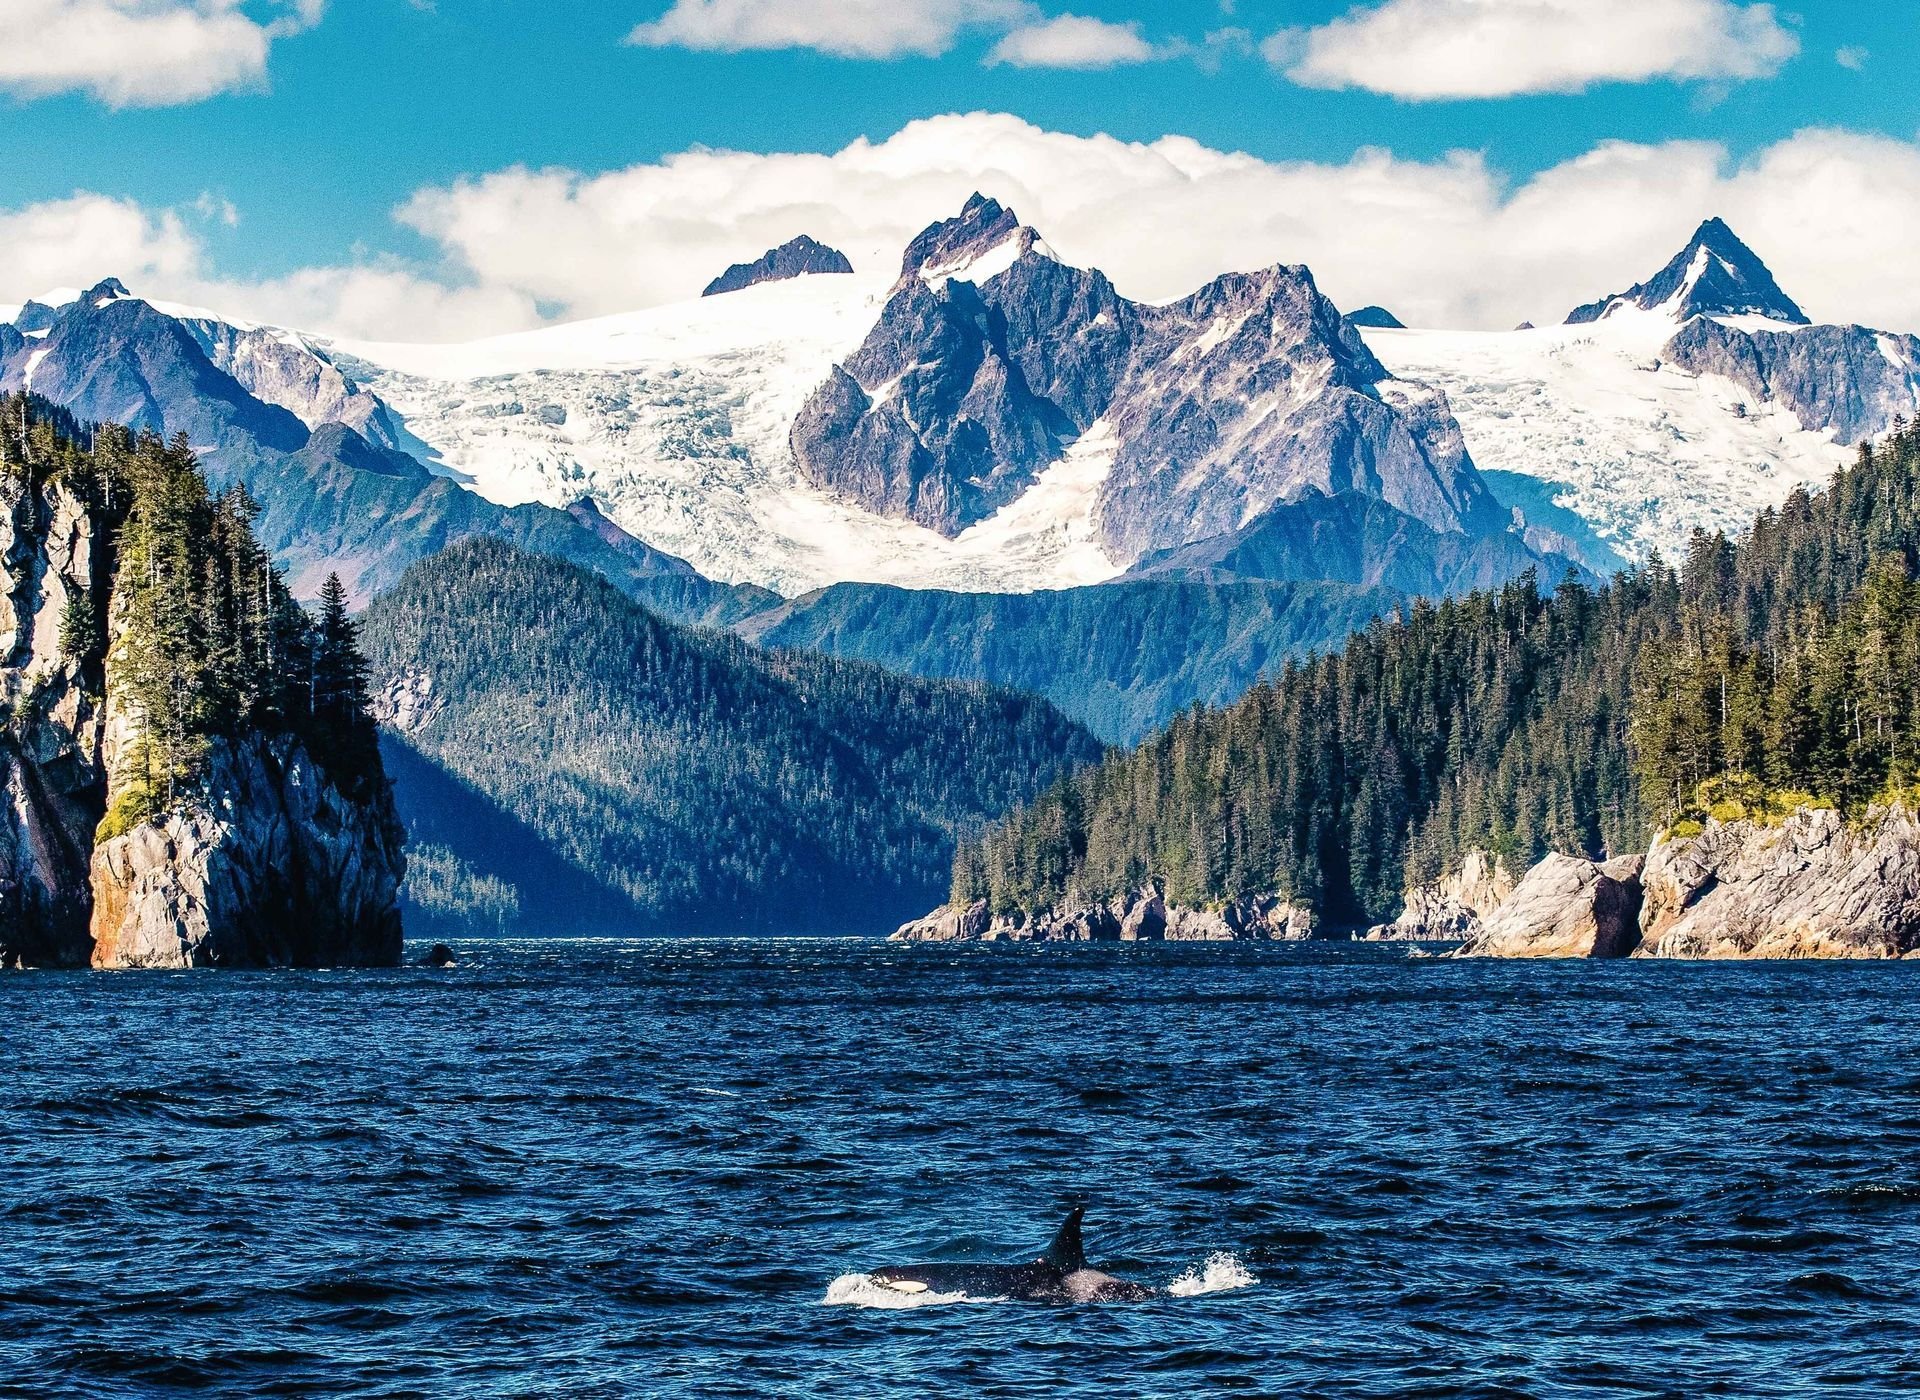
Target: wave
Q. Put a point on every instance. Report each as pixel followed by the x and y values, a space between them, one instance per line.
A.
pixel 862 1291
pixel 1222 1273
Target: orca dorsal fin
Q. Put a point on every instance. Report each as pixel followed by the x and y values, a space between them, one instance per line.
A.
pixel 1066 1253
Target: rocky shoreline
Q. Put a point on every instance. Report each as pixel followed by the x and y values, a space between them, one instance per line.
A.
pixel 1143 916
pixel 1806 886
pixel 1810 885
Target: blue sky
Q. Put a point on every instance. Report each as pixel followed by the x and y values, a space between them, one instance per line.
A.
pixel 366 102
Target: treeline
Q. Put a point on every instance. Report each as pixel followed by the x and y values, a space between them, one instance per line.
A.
pixel 1519 721
pixel 186 626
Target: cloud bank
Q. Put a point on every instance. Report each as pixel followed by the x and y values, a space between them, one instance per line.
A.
pixel 143 53
pixel 1449 242
pixel 1434 49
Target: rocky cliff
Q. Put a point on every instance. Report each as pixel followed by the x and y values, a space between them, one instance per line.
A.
pixel 50 776
pixel 1810 886
pixel 266 864
pixel 1566 908
pixel 1813 886
pixel 257 855
pixel 1141 917
pixel 1454 906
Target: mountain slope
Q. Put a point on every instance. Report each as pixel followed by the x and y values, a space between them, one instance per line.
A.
pixel 331 500
pixel 1714 275
pixel 657 779
pixel 1122 658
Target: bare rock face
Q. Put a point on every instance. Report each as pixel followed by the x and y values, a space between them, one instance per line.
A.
pixel 1141 917
pixel 1812 887
pixel 1453 907
pixel 268 865
pixel 948 925
pixel 282 368
pixel 52 788
pixel 1566 908
pixel 1846 380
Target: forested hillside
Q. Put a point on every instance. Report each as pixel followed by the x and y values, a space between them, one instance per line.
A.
pixel 569 762
pixel 1521 720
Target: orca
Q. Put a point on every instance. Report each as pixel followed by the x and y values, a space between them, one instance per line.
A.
pixel 1060 1275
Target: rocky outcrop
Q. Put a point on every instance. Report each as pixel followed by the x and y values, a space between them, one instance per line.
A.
pixel 992 357
pixel 1846 380
pixel 1454 907
pixel 1810 887
pixel 978 373
pixel 266 864
pixel 1375 318
pixel 261 858
pixel 1566 908
pixel 802 257
pixel 1141 917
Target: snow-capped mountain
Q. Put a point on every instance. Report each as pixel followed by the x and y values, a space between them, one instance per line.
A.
pixel 1714 275
pixel 994 366
pixel 989 418
pixel 1686 402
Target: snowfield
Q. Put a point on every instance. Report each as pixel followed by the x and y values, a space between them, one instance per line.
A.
pixel 675 421
pixel 1644 451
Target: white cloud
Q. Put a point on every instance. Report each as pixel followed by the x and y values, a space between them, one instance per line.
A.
pixel 1449 242
pixel 848 28
pixel 143 53
pixel 1852 56
pixel 1428 49
pixel 1073 41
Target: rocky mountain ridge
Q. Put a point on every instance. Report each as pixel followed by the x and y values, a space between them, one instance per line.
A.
pixel 1714 275
pixel 992 357
pixel 799 257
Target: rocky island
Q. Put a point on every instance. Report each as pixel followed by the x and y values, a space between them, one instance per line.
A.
pixel 190 774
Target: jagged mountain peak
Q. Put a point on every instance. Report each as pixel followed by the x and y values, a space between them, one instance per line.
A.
pixel 984 240
pixel 799 257
pixel 106 290
pixel 1716 274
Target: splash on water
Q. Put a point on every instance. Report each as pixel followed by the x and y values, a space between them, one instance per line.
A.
pixel 862 1291
pixel 1222 1273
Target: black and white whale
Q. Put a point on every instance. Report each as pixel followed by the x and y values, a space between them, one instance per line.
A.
pixel 1060 1275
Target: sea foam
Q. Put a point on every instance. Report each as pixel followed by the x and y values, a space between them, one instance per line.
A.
pixel 1222 1273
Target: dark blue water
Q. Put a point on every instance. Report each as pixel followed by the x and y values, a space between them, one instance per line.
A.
pixel 635 1169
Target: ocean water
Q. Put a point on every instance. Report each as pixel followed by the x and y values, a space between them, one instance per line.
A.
pixel 649 1168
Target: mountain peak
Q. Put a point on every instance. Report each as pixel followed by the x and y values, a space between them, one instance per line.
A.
pixel 1375 318
pixel 1714 275
pixel 104 291
pixel 982 242
pixel 799 257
